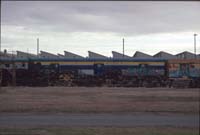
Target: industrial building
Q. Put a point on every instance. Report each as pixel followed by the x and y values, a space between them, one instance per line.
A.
pixel 139 54
pixel 72 55
pixel 165 55
pixel 117 55
pixel 21 54
pixel 44 54
pixel 5 54
pixel 61 56
pixel 94 55
pixel 186 55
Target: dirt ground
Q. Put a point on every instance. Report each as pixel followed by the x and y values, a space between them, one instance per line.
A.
pixel 98 100
pixel 101 131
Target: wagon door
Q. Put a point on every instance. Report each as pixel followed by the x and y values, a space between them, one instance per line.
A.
pixel 98 69
pixel 143 69
pixel 184 70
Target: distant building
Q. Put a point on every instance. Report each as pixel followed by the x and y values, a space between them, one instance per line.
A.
pixel 186 55
pixel 117 55
pixel 139 54
pixel 44 54
pixel 21 54
pixel 164 55
pixel 72 55
pixel 61 56
pixel 94 55
pixel 5 54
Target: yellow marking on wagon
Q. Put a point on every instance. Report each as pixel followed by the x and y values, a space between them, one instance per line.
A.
pixel 100 62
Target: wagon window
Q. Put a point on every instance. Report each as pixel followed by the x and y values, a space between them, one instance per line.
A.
pixel 23 65
pixel 7 65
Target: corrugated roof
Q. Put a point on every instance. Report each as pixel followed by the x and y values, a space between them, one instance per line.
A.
pixel 163 54
pixel 61 56
pixel 93 55
pixel 44 54
pixel 72 55
pixel 25 55
pixel 139 54
pixel 185 55
pixel 96 55
pixel 119 55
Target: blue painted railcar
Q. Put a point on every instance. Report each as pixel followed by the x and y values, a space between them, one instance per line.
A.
pixel 142 67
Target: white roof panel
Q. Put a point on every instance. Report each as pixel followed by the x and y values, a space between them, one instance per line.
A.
pixel 44 54
pixel 25 55
pixel 163 54
pixel 72 55
pixel 139 54
pixel 119 55
pixel 96 55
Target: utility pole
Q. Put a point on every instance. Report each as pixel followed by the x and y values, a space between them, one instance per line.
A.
pixel 0 49
pixel 1 72
pixel 37 47
pixel 123 46
pixel 195 55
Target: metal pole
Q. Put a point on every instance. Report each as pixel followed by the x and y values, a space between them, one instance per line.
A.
pixel 38 47
pixel 0 45
pixel 123 47
pixel 1 72
pixel 195 55
pixel 1 53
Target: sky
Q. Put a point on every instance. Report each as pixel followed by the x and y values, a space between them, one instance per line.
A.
pixel 100 26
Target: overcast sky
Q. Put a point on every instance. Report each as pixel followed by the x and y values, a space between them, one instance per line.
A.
pixel 99 26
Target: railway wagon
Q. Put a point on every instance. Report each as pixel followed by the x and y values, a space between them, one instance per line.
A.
pixel 143 67
pixel 115 72
pixel 135 72
pixel 184 71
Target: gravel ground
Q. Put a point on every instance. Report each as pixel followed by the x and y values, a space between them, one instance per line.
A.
pixel 98 100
